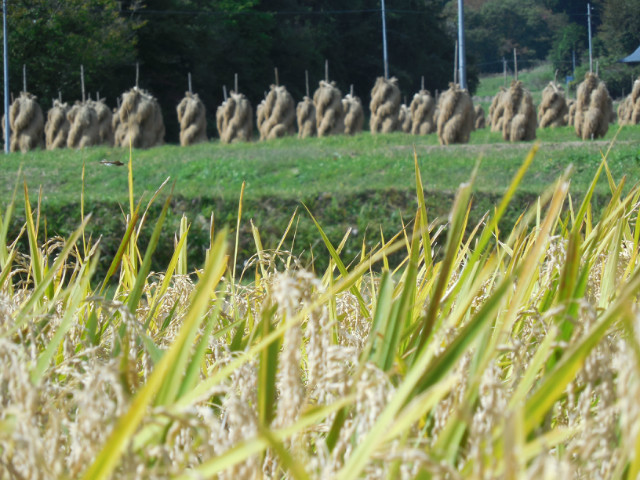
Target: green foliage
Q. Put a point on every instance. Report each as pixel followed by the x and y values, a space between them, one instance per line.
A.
pixel 571 38
pixel 215 40
pixel 496 27
pixel 54 37
pixel 620 29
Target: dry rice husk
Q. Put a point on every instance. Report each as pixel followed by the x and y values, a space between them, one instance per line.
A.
pixel 192 117
pixel 105 121
pixel 496 111
pixel 277 114
pixel 480 121
pixel 57 127
pixel 571 111
pixel 329 110
pixel 520 119
pixel 385 106
pixel 629 108
pixel 306 115
pixel 553 109
pixel 26 124
pixel 234 119
pixel 455 116
pixel 423 109
pixel 353 114
pixel 141 122
pixel 404 118
pixel 83 130
pixel 593 108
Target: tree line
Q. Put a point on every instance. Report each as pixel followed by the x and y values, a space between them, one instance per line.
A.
pixel 213 40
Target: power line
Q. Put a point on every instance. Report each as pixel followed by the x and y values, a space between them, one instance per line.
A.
pixel 145 11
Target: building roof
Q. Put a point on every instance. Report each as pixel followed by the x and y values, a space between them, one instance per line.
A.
pixel 633 58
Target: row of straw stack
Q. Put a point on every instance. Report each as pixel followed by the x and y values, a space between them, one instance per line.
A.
pixel 138 119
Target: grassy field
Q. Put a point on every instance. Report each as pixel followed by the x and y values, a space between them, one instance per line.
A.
pixel 363 183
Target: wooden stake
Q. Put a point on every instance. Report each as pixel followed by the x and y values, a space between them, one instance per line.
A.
pixel 276 74
pixel 515 64
pixel 82 81
pixel 59 96
pixel 555 77
pixel 306 81
pixel 351 90
pixel 224 92
pixel 24 78
pixel 422 83
pixel 235 82
pixel 597 67
pixel 504 70
pixel 137 73
pixel 326 71
pixel 189 80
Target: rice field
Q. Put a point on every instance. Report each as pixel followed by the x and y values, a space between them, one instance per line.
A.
pixel 481 353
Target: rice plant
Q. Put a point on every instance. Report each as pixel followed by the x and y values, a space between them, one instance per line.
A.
pixel 481 354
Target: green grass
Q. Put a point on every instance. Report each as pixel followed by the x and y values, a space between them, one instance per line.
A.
pixel 534 79
pixel 363 182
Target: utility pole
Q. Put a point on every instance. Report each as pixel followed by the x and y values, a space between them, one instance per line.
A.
pixel 455 64
pixel 590 45
pixel 6 76
pixel 384 41
pixel 461 51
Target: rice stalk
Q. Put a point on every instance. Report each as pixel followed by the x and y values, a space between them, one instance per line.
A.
pixel 510 354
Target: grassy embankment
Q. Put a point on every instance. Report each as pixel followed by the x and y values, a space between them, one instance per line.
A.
pixel 363 182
